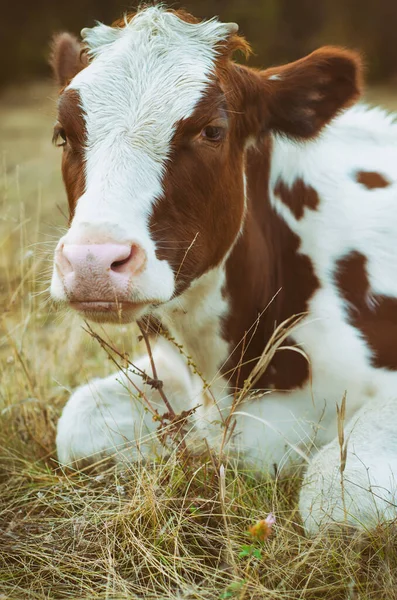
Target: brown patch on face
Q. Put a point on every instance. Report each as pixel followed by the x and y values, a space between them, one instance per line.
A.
pixel 372 179
pixel 200 213
pixel 374 315
pixel 265 264
pixel 71 120
pixel 298 197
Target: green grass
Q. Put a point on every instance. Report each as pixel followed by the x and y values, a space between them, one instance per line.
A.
pixel 171 528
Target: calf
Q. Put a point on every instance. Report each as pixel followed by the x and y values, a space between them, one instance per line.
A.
pixel 220 202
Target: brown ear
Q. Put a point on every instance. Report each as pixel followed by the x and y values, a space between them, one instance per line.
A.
pixel 305 95
pixel 66 57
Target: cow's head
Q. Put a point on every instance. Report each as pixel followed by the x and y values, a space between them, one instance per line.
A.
pixel 154 120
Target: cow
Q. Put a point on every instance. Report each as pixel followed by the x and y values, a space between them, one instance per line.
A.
pixel 247 215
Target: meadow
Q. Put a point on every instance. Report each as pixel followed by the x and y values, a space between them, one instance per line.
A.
pixel 173 528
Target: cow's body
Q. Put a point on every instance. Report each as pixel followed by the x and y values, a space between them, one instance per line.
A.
pixel 315 238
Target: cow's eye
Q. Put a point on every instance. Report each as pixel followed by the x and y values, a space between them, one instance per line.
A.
pixel 213 134
pixel 59 138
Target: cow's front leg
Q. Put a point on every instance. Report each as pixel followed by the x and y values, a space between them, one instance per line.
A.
pixel 107 417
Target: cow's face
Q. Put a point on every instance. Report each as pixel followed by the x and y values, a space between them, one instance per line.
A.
pixel 154 129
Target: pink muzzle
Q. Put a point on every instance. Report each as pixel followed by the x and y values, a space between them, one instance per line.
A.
pixel 99 272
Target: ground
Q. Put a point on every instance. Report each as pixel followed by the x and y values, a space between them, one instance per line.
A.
pixel 177 527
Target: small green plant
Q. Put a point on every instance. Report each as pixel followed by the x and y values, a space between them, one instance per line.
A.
pixel 248 551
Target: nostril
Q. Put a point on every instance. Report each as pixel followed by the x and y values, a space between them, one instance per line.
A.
pixel 131 264
pixel 118 265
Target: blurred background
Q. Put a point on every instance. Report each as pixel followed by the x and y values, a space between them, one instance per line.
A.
pixel 279 30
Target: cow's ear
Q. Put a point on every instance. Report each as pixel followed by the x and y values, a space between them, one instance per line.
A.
pixel 66 58
pixel 305 95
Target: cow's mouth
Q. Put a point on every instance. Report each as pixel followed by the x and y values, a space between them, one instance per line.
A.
pixel 103 311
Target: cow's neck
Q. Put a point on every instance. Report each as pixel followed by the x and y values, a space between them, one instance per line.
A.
pixel 227 316
pixel 195 321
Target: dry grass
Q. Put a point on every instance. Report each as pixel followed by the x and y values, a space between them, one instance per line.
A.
pixel 167 529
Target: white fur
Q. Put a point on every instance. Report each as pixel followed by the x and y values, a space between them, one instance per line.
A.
pixel 195 320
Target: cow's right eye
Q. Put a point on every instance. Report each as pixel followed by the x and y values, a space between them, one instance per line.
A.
pixel 213 133
pixel 59 138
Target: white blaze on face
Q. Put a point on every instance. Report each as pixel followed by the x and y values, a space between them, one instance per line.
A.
pixel 143 79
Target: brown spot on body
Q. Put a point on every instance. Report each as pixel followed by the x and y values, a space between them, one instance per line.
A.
pixel 265 264
pixel 298 197
pixel 374 315
pixel 372 180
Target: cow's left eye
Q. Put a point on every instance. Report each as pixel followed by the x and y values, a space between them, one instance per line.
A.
pixel 212 133
pixel 59 138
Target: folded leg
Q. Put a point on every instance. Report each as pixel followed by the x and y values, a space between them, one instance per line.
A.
pixel 107 416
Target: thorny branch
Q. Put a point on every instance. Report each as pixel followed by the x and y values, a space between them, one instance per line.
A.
pixel 109 349
pixel 171 425
pixel 157 383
